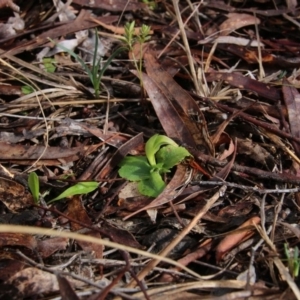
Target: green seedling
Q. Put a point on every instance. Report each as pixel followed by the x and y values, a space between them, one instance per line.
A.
pixel 151 4
pixel 34 186
pixel 292 257
pixel 49 64
pixel 130 39
pixel 77 189
pixel 96 71
pixel 27 89
pixel 162 154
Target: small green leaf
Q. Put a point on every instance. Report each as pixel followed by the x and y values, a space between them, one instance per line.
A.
pixel 129 31
pixel 146 171
pixel 144 34
pixel 135 168
pixel 296 268
pixel 77 189
pixel 154 144
pixel 34 186
pixel 152 186
pixel 26 90
pixel 171 156
pixel 49 64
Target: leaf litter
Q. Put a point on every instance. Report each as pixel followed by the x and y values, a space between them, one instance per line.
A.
pixel 221 79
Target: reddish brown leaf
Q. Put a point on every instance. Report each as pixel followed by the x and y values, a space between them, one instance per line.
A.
pixel 17 239
pixel 10 90
pixel 232 240
pixel 9 267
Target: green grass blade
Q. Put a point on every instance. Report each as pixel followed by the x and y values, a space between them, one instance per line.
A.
pixel 77 58
pixel 77 189
pixel 109 60
pixel 34 186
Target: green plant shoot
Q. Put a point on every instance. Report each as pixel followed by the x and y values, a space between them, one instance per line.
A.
pixel 96 72
pixel 77 189
pixel 162 154
pixel 151 4
pixel 27 89
pixel 34 186
pixel 130 39
pixel 154 144
pixel 292 256
pixel 49 64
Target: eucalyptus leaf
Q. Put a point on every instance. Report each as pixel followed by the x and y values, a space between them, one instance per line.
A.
pixel 77 189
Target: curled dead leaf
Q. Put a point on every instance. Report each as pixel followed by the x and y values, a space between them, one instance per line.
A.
pixel 236 238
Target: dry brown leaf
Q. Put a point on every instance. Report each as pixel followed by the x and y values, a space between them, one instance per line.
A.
pixel 236 21
pixel 254 151
pixel 14 195
pixel 291 99
pixel 185 106
pixel 33 281
pixel 47 247
pixel 66 290
pixel 17 239
pixel 76 211
pixel 169 118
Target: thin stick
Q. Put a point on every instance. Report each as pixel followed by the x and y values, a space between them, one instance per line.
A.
pixel 81 237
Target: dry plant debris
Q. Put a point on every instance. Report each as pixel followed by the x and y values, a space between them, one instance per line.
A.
pixel 221 78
